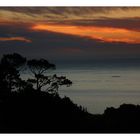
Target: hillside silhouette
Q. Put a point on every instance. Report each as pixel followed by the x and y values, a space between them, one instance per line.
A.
pixel 26 108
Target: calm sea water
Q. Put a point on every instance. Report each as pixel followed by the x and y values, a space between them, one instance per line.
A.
pixel 98 87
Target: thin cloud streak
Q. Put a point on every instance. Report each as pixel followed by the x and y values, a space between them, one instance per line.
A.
pixel 23 39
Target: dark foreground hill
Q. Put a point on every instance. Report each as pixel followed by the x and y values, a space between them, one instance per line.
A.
pixel 40 112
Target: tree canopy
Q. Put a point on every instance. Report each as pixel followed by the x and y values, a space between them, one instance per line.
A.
pixel 10 66
pixel 39 69
pixel 11 77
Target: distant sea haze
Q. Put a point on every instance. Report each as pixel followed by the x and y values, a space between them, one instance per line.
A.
pixel 99 86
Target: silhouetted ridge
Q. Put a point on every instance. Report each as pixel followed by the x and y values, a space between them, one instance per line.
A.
pixel 40 113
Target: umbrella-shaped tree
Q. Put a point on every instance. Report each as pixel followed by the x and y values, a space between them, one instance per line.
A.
pixel 39 69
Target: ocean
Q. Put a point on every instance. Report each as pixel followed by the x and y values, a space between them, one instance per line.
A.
pixel 97 87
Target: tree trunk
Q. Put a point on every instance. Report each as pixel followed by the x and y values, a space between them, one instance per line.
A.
pixel 37 83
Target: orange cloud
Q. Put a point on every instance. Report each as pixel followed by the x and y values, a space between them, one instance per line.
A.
pixel 15 39
pixel 104 34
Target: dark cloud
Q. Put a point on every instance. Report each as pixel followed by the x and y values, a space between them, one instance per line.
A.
pixel 54 14
pixel 126 23
pixel 59 10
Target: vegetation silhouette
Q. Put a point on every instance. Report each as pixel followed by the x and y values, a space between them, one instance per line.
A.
pixel 26 108
pixel 39 68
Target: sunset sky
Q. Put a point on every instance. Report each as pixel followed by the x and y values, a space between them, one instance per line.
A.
pixel 71 33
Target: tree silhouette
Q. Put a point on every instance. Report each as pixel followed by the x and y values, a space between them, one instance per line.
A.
pixel 56 81
pixel 13 60
pixel 10 66
pixel 39 69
